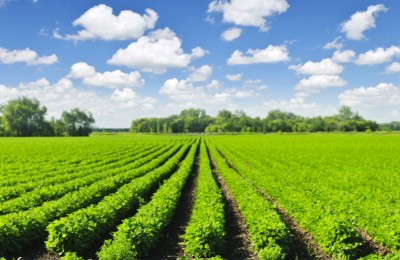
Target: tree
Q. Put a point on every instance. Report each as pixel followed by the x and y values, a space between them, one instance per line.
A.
pixel 24 117
pixel 345 113
pixel 77 122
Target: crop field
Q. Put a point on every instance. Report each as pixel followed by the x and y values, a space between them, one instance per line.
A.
pixel 316 196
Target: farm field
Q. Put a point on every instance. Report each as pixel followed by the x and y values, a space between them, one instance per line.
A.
pixel 316 196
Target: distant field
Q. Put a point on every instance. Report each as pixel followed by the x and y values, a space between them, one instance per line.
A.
pixel 315 196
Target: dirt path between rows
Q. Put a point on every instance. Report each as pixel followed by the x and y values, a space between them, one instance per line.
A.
pixel 238 245
pixel 170 247
pixel 305 246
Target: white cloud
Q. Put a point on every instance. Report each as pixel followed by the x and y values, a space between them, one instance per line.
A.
pixel 110 79
pixel 231 34
pixel 378 56
pixel 181 90
pixel 248 13
pixel 156 53
pixel 100 23
pixel 125 94
pixel 214 85
pixel 81 70
pixel 393 68
pixel 27 56
pixel 115 79
pixel 380 95
pixel 324 67
pixel 271 54
pixel 359 22
pixel 201 74
pixel 234 77
pixel 40 83
pixel 316 83
pixel 114 110
pixel 335 44
pixel 343 56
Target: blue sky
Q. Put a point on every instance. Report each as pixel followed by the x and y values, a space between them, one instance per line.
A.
pixel 127 59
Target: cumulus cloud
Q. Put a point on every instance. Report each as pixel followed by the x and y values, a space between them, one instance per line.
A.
pixel 156 53
pixel 380 95
pixel 316 83
pixel 335 44
pixel 212 93
pixel 343 56
pixel 248 13
pixel 110 79
pixel 99 22
pixel 271 54
pixel 324 67
pixel 27 56
pixel 81 70
pixel 200 74
pixel 234 77
pixel 359 22
pixel 393 68
pixel 114 110
pixel 378 56
pixel 231 34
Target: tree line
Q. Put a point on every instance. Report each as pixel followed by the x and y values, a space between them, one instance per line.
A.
pixel 197 121
pixel 25 117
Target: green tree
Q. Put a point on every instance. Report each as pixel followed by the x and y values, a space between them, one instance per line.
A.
pixel 25 117
pixel 77 122
pixel 345 113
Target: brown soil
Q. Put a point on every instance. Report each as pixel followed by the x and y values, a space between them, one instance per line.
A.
pixel 370 246
pixel 305 246
pixel 170 248
pixel 238 245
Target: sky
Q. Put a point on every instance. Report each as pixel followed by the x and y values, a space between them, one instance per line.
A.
pixel 128 59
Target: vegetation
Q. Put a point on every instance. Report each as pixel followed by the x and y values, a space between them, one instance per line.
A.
pixel 136 236
pixel 25 117
pixel 204 236
pixel 197 121
pixel 116 196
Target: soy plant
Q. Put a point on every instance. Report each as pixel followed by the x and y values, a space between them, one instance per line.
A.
pixel 204 236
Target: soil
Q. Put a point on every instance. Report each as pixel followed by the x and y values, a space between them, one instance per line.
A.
pixel 370 246
pixel 304 246
pixel 171 247
pixel 238 243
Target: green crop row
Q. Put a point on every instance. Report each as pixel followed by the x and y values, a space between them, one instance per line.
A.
pixel 39 196
pixel 19 230
pixel 269 236
pixel 56 159
pixel 83 228
pixel 19 184
pixel 204 235
pixel 136 236
pixel 336 235
pixel 56 187
pixel 345 183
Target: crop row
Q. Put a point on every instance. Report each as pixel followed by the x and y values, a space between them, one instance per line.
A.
pixel 339 239
pixel 36 162
pixel 345 184
pixel 270 237
pixel 205 233
pixel 19 230
pixel 40 195
pixel 51 170
pixel 50 188
pixel 137 235
pixel 83 228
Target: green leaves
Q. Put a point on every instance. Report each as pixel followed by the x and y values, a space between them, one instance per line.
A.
pixel 269 236
pixel 136 236
pixel 204 235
